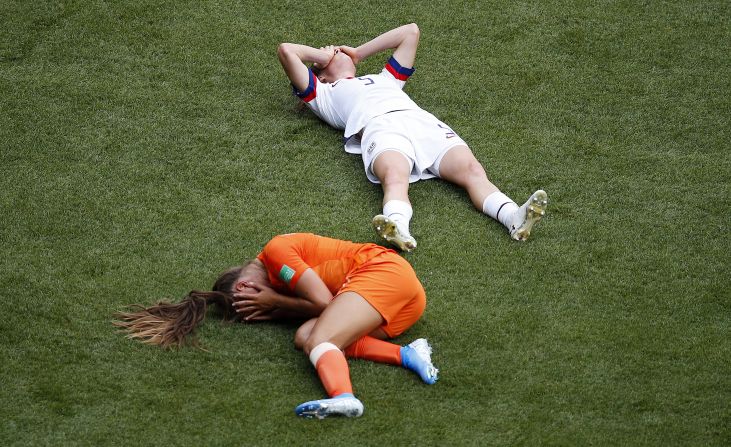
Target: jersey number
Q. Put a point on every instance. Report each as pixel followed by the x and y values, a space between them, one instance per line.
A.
pixel 450 133
pixel 368 81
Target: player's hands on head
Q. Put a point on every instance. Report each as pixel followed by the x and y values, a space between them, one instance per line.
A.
pixel 330 52
pixel 351 52
pixel 255 302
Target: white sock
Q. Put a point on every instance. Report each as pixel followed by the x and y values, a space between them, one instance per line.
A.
pixel 320 349
pixel 400 212
pixel 500 207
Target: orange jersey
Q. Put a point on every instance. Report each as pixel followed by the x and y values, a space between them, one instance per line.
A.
pixel 287 257
pixel 379 275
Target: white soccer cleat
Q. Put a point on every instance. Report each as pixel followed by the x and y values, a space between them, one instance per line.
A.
pixel 387 229
pixel 528 215
pixel 416 356
pixel 343 405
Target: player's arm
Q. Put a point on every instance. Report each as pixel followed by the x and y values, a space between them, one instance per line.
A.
pixel 260 302
pixel 293 58
pixel 404 40
pixel 312 288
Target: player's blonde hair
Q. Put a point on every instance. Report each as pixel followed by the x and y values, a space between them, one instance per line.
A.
pixel 168 324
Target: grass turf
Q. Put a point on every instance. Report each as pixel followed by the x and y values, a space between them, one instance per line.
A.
pixel 146 146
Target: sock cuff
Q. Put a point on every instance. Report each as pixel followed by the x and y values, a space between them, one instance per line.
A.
pixel 492 203
pixel 398 207
pixel 497 215
pixel 319 350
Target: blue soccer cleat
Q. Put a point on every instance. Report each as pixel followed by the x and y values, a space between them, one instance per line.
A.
pixel 416 356
pixel 342 405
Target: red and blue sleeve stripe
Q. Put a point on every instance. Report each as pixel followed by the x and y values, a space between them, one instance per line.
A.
pixel 310 92
pixel 399 72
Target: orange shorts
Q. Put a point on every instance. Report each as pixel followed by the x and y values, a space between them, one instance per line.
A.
pixel 389 284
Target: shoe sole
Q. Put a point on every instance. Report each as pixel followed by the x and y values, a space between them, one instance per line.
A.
pixel 323 410
pixel 386 228
pixel 536 210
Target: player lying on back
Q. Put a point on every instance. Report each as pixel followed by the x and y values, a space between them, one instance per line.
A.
pixel 400 143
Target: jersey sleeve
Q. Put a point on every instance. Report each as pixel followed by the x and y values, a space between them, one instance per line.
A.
pixel 319 99
pixel 395 71
pixel 283 258
pixel 311 91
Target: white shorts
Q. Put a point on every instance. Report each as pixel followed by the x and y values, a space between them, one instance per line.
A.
pixel 417 134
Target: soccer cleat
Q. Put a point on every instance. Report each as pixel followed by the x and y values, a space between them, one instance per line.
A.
pixel 528 215
pixel 387 229
pixel 343 405
pixel 416 356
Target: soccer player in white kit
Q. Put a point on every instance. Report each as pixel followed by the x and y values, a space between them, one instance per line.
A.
pixel 400 143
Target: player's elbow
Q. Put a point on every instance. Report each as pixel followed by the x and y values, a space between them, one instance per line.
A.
pixel 288 56
pixel 413 29
pixel 285 51
pixel 410 33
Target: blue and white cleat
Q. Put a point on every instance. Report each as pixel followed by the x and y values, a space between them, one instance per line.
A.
pixel 387 229
pixel 528 215
pixel 416 356
pixel 342 405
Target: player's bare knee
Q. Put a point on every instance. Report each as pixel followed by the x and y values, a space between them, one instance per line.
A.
pixel 302 334
pixel 394 180
pixel 299 340
pixel 474 171
pixel 300 337
pixel 393 175
pixel 392 167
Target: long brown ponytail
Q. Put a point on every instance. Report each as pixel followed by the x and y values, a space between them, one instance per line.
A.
pixel 168 324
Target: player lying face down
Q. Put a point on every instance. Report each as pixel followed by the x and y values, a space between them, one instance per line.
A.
pixel 351 296
pixel 400 142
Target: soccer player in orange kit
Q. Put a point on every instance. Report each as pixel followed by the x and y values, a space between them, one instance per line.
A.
pixel 355 296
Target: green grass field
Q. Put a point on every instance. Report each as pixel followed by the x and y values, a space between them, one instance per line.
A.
pixel 147 145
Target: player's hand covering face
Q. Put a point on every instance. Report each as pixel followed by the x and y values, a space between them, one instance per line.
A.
pixel 340 66
pixel 254 301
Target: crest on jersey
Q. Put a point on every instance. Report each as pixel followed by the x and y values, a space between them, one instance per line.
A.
pixel 286 273
pixel 371 146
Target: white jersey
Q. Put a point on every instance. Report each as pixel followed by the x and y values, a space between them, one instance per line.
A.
pixel 349 103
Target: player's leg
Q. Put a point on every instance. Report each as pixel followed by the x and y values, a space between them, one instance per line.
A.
pixel 393 169
pixel 347 318
pixel 393 288
pixel 415 356
pixel 304 331
pixel 459 166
